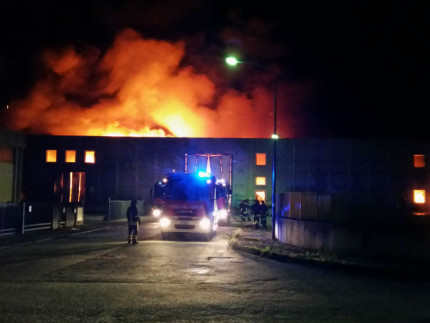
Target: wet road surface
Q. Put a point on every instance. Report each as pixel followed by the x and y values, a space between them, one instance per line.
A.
pixel 96 277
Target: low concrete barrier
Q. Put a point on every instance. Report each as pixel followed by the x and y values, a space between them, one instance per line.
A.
pixel 67 216
pixel 389 241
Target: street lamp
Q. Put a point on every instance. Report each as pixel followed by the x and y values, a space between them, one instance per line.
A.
pixel 233 61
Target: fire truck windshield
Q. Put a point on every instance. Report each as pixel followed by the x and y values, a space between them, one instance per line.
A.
pixel 188 189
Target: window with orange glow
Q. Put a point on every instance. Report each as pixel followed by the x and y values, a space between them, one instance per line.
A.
pixel 419 161
pixel 260 195
pixel 90 156
pixel 76 187
pixel 70 156
pixel 419 196
pixel 51 156
pixel 260 159
pixel 260 181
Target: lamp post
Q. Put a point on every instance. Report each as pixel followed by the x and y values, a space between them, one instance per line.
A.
pixel 274 138
pixel 233 61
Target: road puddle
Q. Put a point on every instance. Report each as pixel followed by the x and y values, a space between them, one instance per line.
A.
pixel 198 270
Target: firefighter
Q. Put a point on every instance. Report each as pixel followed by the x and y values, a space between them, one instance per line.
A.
pixel 133 222
pixel 255 211
pixel 263 214
pixel 243 210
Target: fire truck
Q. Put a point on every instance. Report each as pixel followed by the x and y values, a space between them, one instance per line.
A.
pixel 188 203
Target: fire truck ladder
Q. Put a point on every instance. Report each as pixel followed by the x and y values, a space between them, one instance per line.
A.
pixel 208 165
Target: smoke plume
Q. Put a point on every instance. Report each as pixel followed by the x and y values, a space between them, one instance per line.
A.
pixel 139 88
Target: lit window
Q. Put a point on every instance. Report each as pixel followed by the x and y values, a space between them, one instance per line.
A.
pixel 419 161
pixel 90 156
pixel 260 195
pixel 51 156
pixel 70 156
pixel 419 196
pixel 260 181
pixel 260 159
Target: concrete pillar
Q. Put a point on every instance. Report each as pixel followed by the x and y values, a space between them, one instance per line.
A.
pixel 70 217
pixel 56 214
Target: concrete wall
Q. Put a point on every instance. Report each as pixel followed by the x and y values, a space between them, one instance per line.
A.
pixel 409 241
pixel 11 158
pixel 310 221
pixel 6 182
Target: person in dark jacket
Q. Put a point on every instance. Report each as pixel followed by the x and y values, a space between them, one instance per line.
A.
pixel 243 210
pixel 263 214
pixel 133 222
pixel 255 211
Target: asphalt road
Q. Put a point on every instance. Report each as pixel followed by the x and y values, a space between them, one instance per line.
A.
pixel 96 277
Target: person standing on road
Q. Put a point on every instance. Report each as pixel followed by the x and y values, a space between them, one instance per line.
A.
pixel 255 211
pixel 133 222
pixel 263 214
pixel 243 210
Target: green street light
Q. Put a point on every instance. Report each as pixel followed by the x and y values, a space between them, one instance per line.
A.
pixel 232 61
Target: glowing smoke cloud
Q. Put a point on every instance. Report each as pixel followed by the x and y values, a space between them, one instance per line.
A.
pixel 137 88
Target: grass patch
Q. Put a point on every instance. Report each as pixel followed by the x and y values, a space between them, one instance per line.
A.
pixel 267 251
pixel 234 238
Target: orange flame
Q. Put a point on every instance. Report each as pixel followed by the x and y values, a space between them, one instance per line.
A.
pixel 137 88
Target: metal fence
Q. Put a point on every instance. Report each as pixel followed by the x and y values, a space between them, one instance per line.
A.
pixel 117 209
pixel 10 219
pixel 25 217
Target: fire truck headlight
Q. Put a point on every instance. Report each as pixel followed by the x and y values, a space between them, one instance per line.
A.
pixel 205 224
pixel 165 222
pixel 156 213
pixel 221 214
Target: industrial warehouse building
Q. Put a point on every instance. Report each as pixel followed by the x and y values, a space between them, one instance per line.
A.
pixel 352 178
pixel 359 175
pixel 318 181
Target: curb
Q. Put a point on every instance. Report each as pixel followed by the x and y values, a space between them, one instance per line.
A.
pixel 240 240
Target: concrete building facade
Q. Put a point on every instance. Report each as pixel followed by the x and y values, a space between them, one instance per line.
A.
pixel 335 178
pixel 127 168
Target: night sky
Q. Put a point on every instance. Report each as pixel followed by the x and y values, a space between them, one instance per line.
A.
pixel 361 67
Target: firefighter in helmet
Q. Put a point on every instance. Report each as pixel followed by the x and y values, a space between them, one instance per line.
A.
pixel 255 211
pixel 263 214
pixel 133 222
pixel 243 210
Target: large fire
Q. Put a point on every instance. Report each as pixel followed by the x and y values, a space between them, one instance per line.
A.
pixel 138 88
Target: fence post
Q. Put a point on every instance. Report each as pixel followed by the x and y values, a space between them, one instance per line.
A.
pixel 108 215
pixel 23 218
pixel 2 218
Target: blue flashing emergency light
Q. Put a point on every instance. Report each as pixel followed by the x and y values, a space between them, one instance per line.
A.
pixel 203 174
